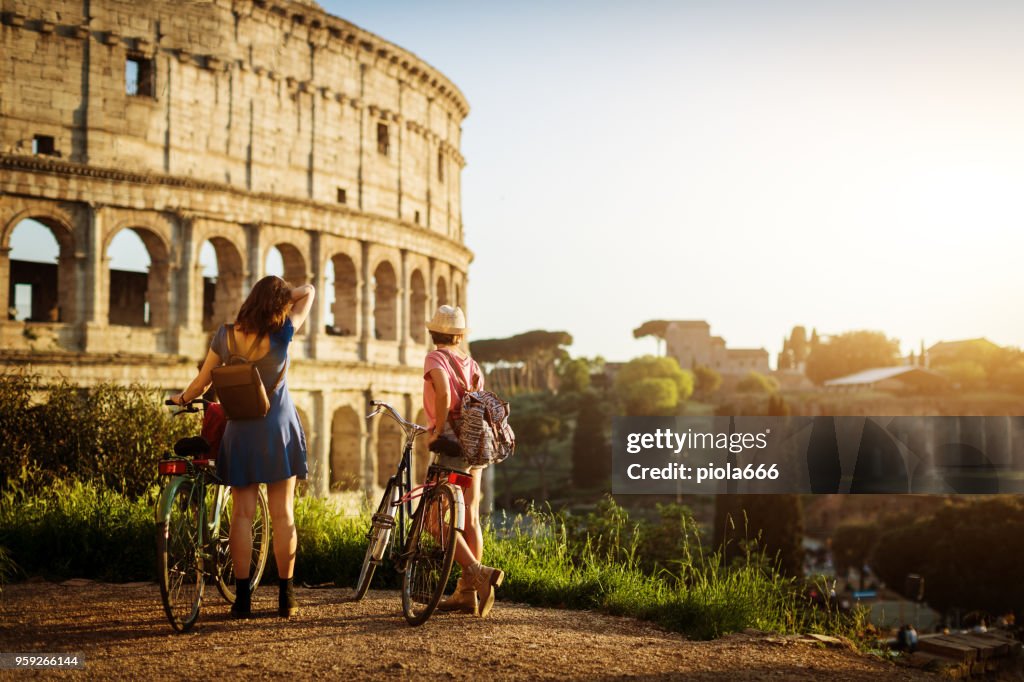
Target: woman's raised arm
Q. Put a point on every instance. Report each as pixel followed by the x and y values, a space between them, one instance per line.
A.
pixel 302 303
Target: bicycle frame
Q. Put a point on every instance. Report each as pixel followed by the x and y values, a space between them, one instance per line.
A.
pixel 209 522
pixel 403 479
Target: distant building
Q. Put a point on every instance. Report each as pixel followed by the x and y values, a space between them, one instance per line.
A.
pixel 945 352
pixel 690 342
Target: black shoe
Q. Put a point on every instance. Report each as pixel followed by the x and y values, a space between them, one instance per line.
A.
pixel 287 606
pixel 241 611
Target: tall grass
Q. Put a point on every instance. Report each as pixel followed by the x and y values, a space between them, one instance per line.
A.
pixel 81 529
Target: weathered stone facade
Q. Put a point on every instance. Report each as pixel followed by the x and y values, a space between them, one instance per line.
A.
pixel 250 125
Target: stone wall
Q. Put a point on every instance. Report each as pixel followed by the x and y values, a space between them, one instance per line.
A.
pixel 249 125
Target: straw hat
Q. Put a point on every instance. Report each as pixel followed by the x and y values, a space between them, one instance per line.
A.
pixel 448 320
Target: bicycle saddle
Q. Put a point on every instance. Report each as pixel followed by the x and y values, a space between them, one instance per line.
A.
pixel 190 447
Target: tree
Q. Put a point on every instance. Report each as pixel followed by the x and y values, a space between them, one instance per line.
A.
pixel 850 352
pixel 524 362
pixel 574 375
pixel 653 386
pixel 591 447
pixel 755 382
pixel 799 345
pixel 538 424
pixel 707 381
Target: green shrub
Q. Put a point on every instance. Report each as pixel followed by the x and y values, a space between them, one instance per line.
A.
pixel 107 433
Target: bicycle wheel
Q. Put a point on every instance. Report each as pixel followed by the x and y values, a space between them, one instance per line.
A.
pixel 180 555
pixel 429 554
pixel 260 545
pixel 379 536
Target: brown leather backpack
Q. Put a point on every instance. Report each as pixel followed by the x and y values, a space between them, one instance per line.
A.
pixel 238 383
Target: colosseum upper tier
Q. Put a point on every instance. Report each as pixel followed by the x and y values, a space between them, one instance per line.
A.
pixel 238 127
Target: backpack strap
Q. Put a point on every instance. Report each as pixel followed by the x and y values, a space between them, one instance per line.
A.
pixel 233 351
pixel 474 378
pixel 233 344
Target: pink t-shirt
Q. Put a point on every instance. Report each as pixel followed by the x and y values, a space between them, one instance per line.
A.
pixel 436 360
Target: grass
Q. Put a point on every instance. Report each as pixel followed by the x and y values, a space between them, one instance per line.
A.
pixel 76 529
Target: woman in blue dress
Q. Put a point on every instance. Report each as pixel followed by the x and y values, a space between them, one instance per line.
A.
pixel 270 450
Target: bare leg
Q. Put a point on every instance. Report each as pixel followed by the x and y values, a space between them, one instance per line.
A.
pixel 243 509
pixel 281 500
pixel 470 547
pixel 474 532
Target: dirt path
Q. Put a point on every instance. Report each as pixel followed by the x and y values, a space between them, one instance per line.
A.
pixel 121 632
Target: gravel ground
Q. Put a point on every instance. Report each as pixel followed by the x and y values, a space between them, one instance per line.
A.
pixel 121 632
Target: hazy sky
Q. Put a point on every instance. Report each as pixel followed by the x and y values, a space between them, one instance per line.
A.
pixel 842 165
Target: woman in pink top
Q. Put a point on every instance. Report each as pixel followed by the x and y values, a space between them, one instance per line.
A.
pixel 442 399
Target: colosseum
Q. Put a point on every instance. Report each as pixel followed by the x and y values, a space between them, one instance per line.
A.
pixel 229 139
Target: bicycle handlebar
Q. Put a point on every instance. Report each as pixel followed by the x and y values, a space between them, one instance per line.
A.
pixel 190 406
pixel 409 427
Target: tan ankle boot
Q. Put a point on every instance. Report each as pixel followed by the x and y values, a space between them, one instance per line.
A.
pixel 464 598
pixel 485 580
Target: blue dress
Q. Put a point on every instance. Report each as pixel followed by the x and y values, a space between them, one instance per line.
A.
pixel 269 449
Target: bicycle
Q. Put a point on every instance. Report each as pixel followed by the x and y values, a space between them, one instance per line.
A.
pixel 193 523
pixel 427 537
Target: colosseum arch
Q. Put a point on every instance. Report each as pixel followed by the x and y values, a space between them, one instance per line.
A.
pixel 346 450
pixel 129 294
pixel 51 284
pixel 385 302
pixel 294 264
pixel 442 292
pixel 389 449
pixel 417 307
pixel 458 296
pixel 344 283
pixel 222 294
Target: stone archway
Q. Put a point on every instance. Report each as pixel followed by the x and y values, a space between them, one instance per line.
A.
pixel 346 450
pixel 223 292
pixel 442 293
pixel 293 268
pixel 134 300
pixel 389 449
pixel 385 302
pixel 417 307
pixel 345 287
pixel 45 277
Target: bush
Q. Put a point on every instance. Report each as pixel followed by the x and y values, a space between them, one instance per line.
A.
pixel 755 382
pixel 107 434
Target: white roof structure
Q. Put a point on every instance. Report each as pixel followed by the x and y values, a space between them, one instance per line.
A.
pixel 868 377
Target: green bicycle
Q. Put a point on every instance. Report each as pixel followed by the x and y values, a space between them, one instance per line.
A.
pixel 193 523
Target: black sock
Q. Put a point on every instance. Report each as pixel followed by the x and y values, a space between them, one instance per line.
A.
pixel 243 594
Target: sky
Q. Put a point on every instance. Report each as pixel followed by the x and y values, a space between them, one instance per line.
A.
pixel 839 165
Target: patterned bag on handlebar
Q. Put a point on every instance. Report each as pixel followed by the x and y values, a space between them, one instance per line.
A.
pixel 483 429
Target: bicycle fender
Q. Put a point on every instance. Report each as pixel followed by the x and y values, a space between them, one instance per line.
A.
pixel 163 504
pixel 460 508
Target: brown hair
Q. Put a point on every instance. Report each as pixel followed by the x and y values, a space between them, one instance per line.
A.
pixel 446 339
pixel 265 307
